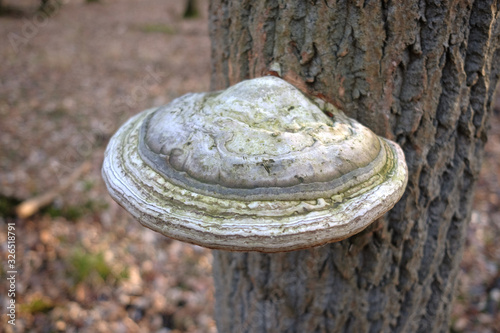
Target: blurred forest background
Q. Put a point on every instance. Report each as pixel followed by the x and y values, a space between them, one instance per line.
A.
pixel 69 76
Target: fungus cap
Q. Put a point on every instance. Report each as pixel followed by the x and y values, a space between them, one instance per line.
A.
pixel 256 167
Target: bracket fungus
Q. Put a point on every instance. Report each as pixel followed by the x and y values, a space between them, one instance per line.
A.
pixel 256 167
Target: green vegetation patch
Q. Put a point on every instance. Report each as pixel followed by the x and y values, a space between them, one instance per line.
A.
pixel 73 213
pixel 37 305
pixel 91 268
pixel 156 28
pixel 8 206
pixel 84 265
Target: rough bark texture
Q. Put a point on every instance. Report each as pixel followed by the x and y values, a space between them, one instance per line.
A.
pixel 419 72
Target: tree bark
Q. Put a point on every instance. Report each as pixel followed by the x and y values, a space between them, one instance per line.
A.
pixel 421 73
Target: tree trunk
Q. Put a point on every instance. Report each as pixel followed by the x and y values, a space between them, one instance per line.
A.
pixel 420 73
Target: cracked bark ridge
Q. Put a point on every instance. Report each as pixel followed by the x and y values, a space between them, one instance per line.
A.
pixel 417 72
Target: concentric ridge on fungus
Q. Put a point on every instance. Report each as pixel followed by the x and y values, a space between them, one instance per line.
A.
pixel 256 167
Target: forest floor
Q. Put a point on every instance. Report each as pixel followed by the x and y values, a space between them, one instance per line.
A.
pixel 66 84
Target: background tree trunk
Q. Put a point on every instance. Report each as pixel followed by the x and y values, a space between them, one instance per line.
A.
pixel 421 73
